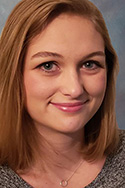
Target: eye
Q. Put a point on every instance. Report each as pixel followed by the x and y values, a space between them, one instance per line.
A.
pixel 91 64
pixel 48 67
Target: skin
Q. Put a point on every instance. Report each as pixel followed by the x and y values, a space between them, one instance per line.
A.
pixel 65 64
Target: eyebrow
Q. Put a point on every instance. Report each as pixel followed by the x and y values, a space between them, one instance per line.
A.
pixel 98 53
pixel 53 54
pixel 46 54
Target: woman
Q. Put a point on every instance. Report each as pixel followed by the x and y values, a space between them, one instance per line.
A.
pixel 57 118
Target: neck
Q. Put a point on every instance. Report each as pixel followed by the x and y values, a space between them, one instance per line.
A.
pixel 61 149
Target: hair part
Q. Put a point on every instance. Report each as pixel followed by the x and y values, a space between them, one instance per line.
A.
pixel 19 141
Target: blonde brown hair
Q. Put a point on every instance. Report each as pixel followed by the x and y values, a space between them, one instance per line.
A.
pixel 18 140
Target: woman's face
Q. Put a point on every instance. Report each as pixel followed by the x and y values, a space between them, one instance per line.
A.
pixel 65 74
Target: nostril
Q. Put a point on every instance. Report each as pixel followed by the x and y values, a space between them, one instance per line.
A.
pixel 72 90
pixel 71 84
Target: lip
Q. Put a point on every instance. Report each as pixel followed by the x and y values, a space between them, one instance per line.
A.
pixel 69 107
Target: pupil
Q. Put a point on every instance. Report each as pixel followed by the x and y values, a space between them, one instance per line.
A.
pixel 48 66
pixel 89 64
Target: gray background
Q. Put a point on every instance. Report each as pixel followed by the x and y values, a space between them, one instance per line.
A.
pixel 114 15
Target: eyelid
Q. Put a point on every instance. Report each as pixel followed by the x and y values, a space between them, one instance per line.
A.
pixel 42 68
pixel 51 62
pixel 96 62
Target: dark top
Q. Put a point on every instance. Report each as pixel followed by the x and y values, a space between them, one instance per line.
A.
pixel 112 174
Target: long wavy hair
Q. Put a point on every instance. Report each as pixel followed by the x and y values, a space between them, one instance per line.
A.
pixel 18 141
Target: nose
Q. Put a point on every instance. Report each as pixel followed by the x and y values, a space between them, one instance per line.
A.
pixel 72 84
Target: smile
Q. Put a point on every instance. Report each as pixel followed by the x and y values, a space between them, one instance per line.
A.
pixel 69 107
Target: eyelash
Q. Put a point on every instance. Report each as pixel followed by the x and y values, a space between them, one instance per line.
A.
pixel 92 62
pixel 96 64
pixel 51 64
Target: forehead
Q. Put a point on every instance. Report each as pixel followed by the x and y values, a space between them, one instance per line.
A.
pixel 68 33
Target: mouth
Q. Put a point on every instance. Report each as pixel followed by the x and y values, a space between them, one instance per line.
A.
pixel 69 107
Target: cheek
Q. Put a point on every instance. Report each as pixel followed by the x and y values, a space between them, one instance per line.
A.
pixel 35 86
pixel 96 85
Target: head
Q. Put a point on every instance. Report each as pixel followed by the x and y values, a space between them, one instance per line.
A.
pixel 28 19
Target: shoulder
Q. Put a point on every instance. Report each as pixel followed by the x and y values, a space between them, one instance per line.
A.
pixel 121 146
pixel 122 136
pixel 117 159
pixel 9 179
pixel 113 172
pixel 114 169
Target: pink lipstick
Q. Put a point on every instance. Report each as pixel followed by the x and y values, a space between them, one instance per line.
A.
pixel 69 107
